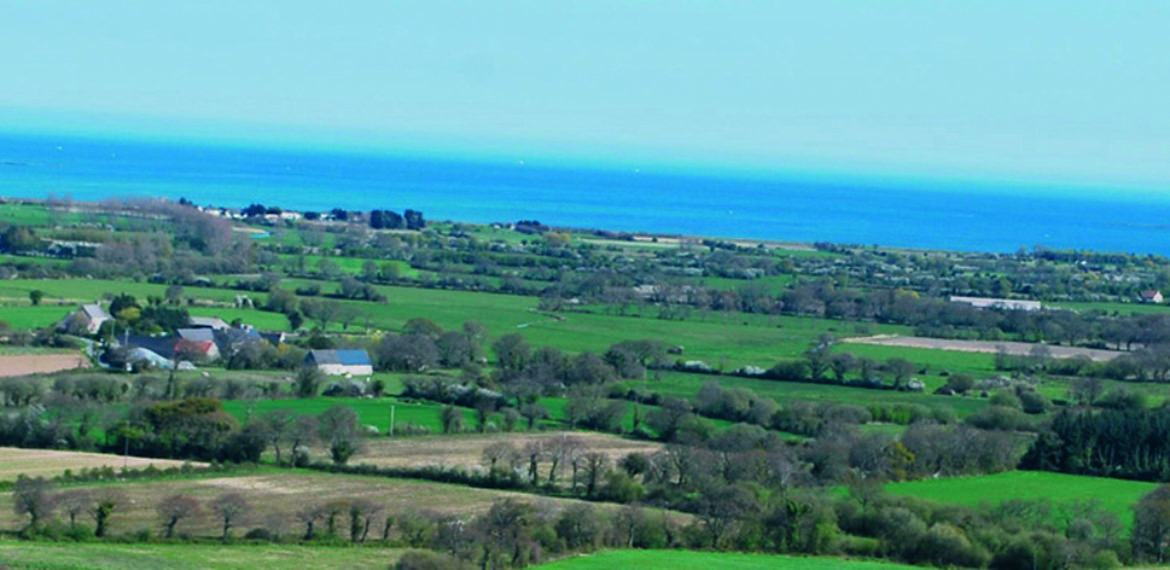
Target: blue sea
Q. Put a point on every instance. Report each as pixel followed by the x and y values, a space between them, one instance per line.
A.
pixel 854 209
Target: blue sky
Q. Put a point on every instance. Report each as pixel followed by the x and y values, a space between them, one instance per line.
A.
pixel 1038 91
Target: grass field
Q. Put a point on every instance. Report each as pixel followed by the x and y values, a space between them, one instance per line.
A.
pixel 50 556
pixel 687 385
pixel 693 560
pixel 1115 495
pixel 50 463
pixel 374 412
pixel 273 493
pixel 1111 307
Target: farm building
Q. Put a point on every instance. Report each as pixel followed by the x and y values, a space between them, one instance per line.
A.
pixel 1151 296
pixel 340 361
pixel 991 303
pixel 214 323
pixel 197 343
pixel 88 318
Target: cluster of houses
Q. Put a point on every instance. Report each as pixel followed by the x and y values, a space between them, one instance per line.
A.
pixel 208 339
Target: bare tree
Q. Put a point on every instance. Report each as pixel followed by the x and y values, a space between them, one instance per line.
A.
pixel 32 497
pixel 174 508
pixel 231 508
pixel 594 465
pixel 309 515
pixel 303 433
pixel 361 514
pixel 278 424
pixel 563 450
pixel 534 452
pixel 496 456
pixel 74 502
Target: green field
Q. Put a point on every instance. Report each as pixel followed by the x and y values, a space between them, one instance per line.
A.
pixel 1112 307
pixel 1115 495
pixel 57 556
pixel 686 385
pixel 687 560
pixel 373 412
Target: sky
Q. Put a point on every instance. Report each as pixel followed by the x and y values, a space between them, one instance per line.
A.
pixel 1055 92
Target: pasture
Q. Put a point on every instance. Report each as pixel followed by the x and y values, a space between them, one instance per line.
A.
pixel 371 412
pixel 189 556
pixel 695 560
pixel 51 463
pixel 1115 495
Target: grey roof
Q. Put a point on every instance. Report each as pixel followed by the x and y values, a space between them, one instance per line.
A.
pixel 197 334
pixel 209 322
pixel 95 312
pixel 344 357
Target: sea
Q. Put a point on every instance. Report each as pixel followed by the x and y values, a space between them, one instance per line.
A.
pixel 851 208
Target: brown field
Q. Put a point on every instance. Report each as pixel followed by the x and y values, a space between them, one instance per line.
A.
pixel 278 496
pixel 22 364
pixel 988 346
pixel 466 451
pixel 50 463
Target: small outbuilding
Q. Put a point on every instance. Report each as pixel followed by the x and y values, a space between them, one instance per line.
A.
pixel 1151 296
pixel 333 362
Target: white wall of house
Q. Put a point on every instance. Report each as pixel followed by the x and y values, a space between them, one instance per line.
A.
pixel 342 369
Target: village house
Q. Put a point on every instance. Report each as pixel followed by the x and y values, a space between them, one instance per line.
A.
pixel 1151 296
pixel 198 343
pixel 88 318
pixel 333 362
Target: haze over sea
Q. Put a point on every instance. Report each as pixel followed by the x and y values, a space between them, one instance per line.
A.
pixel 847 209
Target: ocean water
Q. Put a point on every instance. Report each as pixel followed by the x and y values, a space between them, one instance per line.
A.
pixel 958 216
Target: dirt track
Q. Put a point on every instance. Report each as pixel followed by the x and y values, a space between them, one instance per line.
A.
pixel 987 346
pixel 22 364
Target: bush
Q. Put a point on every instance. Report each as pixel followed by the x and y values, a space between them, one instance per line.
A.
pixel 430 560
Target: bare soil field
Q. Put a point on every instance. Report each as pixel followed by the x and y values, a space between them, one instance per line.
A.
pixel 466 451
pixel 275 498
pixel 50 463
pixel 988 346
pixel 22 364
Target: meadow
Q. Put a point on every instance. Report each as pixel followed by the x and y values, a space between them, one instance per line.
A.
pixel 1115 495
pixel 697 560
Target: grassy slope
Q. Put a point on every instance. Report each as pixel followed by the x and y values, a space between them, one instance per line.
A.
pixel 684 560
pixel 1115 495
pixel 160 556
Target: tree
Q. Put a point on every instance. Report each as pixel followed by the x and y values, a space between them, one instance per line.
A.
pixel 452 419
pixel 339 426
pixel 105 503
pixel 1151 527
pixel 361 513
pixel 74 502
pixel 308 381
pixel 842 363
pixel 901 369
pixel 295 320
pixel 277 425
pixel 31 497
pixel 35 296
pixel 174 508
pixel 231 508
pixel 497 457
pixel 512 351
